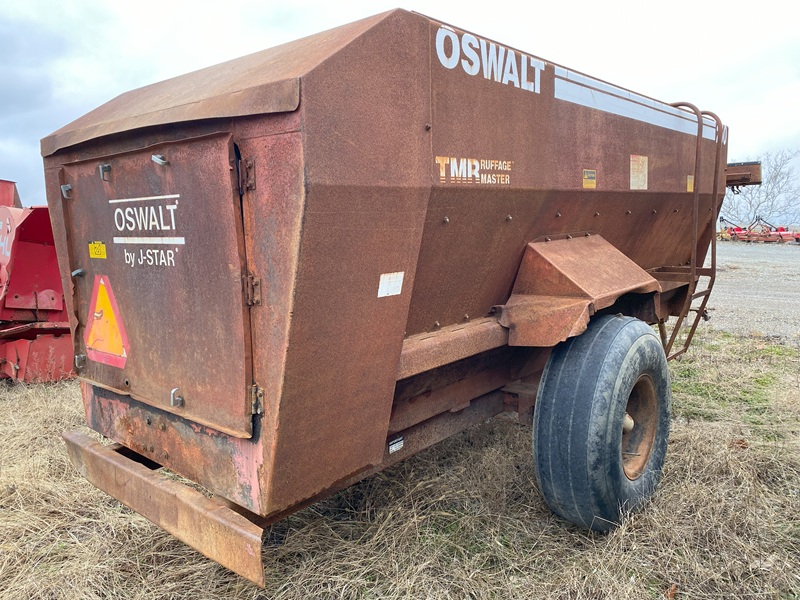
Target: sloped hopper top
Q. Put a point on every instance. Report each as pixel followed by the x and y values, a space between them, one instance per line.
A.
pixel 261 83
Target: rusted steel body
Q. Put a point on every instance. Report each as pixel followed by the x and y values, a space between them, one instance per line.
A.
pixel 350 247
pixel 35 344
pixel 741 174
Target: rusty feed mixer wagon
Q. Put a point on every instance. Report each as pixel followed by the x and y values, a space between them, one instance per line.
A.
pixel 289 271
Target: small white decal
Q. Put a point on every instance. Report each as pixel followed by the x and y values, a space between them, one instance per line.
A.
pixel 638 172
pixel 396 444
pixel 391 284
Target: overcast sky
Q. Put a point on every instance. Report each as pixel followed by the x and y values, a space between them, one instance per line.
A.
pixel 60 59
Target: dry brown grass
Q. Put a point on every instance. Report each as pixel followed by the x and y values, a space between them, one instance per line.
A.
pixel 462 520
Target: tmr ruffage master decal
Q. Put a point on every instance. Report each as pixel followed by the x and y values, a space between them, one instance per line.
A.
pixel 453 169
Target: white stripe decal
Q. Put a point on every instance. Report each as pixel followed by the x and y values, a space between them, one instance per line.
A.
pixel 582 90
pixel 167 241
pixel 144 198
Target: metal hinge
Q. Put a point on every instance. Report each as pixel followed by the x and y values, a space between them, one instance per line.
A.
pixel 256 400
pixel 252 290
pixel 247 175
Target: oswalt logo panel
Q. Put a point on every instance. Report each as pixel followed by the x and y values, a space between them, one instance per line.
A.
pixel 157 237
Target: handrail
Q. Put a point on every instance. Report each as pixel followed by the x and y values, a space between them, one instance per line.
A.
pixel 693 266
pixel 695 226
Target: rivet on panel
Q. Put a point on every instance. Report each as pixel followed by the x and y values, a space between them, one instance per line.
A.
pixel 597 214
pixel 466 317
pixel 627 212
pixel 446 220
pixel 654 211
pixel 162 426
pixel 509 218
pixel 427 126
pixel 569 237
pixel 148 420
pixel 547 239
pixel 558 214
pixel 436 324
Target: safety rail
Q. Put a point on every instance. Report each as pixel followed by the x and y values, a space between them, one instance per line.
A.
pixel 692 272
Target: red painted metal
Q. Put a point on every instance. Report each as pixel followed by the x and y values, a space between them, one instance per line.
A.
pixel 8 194
pixel 758 231
pixel 35 342
pixel 360 264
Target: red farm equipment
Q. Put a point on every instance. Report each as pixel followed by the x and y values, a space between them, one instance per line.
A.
pixel 758 231
pixel 35 341
pixel 742 174
pixel 292 270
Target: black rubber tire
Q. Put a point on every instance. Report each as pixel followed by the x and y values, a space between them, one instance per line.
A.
pixel 578 422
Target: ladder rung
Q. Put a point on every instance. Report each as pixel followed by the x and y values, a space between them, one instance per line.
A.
pixel 701 294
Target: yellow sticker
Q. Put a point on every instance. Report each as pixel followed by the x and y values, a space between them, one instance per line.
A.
pixel 690 183
pixel 589 179
pixel 97 250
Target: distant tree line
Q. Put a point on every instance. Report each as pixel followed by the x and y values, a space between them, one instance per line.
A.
pixel 776 200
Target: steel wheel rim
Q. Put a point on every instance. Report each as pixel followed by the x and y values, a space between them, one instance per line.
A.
pixel 637 444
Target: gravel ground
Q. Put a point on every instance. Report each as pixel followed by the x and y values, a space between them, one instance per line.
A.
pixel 757 291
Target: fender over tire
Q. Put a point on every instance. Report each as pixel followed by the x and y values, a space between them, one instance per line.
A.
pixel 589 469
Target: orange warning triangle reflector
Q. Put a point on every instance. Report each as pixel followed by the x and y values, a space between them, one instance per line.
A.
pixel 105 337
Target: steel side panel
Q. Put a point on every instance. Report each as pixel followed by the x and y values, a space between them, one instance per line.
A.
pixel 367 189
pixel 207 525
pixel 173 277
pixel 273 214
pixel 233 467
pixel 226 465
pixel 477 229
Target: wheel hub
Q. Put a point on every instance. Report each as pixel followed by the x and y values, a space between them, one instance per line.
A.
pixel 639 427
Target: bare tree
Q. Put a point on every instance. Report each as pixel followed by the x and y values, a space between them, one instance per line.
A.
pixel 776 200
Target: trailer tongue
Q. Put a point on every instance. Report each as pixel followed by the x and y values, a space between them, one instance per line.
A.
pixel 292 270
